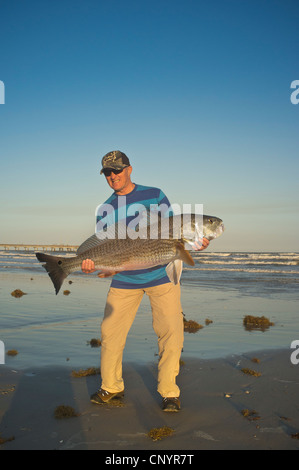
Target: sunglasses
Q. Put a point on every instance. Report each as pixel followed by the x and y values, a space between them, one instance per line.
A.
pixel 108 172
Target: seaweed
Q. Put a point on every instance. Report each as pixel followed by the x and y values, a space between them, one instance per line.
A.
pixel 12 352
pixel 66 292
pixel 191 326
pixel 18 293
pixel 251 322
pixel 256 360
pixel 208 321
pixel 157 434
pixel 6 391
pixel 251 415
pixel 85 372
pixel 3 440
pixel 247 371
pixel 94 343
pixel 117 402
pixel 63 411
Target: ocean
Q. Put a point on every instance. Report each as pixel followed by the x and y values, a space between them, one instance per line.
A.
pixel 223 288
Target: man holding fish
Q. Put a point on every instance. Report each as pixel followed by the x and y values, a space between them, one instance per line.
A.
pixel 126 292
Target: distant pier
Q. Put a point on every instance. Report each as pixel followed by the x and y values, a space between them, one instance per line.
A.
pixel 37 247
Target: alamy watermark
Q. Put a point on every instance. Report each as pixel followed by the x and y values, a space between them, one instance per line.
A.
pixel 2 352
pixel 295 94
pixel 2 92
pixel 159 221
pixel 295 354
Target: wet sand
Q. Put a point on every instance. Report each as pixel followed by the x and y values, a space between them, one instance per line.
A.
pixel 213 394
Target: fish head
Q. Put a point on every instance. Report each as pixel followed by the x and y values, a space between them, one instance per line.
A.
pixel 213 227
pixel 196 226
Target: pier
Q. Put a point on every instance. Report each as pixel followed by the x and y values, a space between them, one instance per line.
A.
pixel 37 247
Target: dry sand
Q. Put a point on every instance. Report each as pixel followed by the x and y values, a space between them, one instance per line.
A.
pixel 213 395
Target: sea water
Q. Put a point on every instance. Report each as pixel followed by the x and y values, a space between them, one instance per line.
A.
pixel 47 329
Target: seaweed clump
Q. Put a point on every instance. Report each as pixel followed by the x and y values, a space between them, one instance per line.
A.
pixel 157 434
pixel 94 343
pixel 63 411
pixel 191 326
pixel 251 415
pixel 251 322
pixel 252 372
pixel 85 372
pixel 255 359
pixel 12 352
pixel 18 293
pixel 3 440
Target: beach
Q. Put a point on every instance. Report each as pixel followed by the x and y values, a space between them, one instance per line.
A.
pixel 223 406
pixel 214 394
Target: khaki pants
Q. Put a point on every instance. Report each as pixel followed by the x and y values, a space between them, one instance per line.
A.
pixel 120 311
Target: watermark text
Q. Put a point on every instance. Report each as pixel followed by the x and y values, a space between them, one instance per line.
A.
pixel 2 352
pixel 159 221
pixel 295 354
pixel 295 94
pixel 2 92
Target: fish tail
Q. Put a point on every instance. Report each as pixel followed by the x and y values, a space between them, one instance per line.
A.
pixel 53 265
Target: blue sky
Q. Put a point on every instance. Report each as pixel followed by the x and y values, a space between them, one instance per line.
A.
pixel 196 93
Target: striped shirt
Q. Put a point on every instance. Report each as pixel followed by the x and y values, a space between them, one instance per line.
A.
pixel 147 197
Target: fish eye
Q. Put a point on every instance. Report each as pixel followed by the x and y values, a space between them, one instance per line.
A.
pixel 211 221
pixel 59 262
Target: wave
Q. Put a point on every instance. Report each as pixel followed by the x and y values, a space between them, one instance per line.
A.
pixel 273 263
pixel 253 270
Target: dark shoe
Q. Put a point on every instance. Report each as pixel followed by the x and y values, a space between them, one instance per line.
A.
pixel 103 396
pixel 171 404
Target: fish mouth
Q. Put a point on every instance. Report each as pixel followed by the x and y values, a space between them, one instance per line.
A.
pixel 220 230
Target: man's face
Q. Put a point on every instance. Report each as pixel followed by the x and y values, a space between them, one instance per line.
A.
pixel 120 182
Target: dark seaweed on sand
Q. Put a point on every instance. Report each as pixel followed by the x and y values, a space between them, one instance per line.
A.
pixel 251 322
pixel 18 293
pixel 157 434
pixel 63 411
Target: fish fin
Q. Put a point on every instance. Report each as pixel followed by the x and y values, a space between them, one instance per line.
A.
pixel 184 255
pixel 91 242
pixel 103 274
pixel 114 231
pixel 54 270
pixel 174 270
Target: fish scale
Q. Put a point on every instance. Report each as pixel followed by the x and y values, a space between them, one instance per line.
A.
pixel 123 254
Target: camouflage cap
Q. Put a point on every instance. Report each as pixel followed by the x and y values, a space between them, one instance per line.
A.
pixel 115 160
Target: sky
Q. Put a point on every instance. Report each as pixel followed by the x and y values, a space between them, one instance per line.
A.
pixel 196 93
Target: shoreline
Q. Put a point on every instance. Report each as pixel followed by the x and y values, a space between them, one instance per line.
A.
pixel 47 329
pixel 213 394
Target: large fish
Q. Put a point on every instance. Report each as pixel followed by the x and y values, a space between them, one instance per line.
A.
pixel 169 243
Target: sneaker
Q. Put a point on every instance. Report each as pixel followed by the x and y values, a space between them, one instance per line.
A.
pixel 103 396
pixel 171 404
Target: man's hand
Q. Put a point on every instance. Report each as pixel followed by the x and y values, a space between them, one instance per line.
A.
pixel 88 267
pixel 204 244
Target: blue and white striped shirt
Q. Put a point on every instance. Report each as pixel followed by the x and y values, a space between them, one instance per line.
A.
pixel 147 196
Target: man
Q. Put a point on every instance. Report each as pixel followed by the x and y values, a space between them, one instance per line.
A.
pixel 125 294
